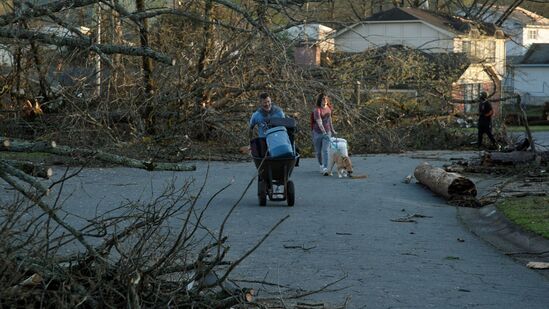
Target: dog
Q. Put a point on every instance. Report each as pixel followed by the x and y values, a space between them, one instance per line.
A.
pixel 341 160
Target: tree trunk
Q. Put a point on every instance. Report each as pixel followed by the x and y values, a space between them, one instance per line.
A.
pixel 202 95
pixel 116 39
pixel 147 71
pixel 526 126
pixel 53 148
pixel 513 158
pixel 449 185
pixel 31 168
pixel 44 86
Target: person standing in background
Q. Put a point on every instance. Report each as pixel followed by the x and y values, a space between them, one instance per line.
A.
pixel 485 113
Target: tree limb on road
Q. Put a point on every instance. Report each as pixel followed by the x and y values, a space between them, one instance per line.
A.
pixel 53 148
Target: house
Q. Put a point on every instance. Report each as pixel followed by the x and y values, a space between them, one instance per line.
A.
pixel 433 33
pixel 310 41
pixel 530 76
pixel 522 26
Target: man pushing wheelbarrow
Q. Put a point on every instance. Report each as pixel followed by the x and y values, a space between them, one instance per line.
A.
pixel 273 152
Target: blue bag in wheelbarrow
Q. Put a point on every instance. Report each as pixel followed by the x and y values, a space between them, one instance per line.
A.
pixel 278 143
pixel 339 145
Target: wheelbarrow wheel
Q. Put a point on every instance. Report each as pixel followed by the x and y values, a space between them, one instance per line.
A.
pixel 290 193
pixel 262 192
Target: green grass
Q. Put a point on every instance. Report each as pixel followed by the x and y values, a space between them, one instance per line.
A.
pixel 510 129
pixel 531 213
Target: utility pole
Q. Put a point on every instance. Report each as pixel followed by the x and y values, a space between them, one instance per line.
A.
pixel 97 59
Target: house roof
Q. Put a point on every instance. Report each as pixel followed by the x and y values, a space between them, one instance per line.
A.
pixel 512 60
pixel 538 53
pixel 523 16
pixel 454 24
pixel 313 32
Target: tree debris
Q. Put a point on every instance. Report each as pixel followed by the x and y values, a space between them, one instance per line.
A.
pixel 448 185
pixel 409 218
pixel 31 168
pixel 139 258
pixel 513 158
pixel 299 247
pixel 538 265
pixel 407 179
pixel 52 147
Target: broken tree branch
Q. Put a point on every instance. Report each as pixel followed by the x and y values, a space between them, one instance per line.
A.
pixel 23 176
pixel 84 43
pixel 31 168
pixel 50 212
pixel 53 148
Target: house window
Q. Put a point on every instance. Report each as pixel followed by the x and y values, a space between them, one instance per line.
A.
pixel 470 94
pixel 490 51
pixel 533 34
pixel 480 50
pixel 466 47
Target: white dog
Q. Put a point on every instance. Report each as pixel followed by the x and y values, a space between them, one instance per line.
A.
pixel 339 156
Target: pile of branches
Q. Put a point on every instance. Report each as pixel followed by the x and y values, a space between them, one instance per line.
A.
pixel 212 59
pixel 156 254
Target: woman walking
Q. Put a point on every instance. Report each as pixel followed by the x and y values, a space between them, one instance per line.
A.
pixel 322 130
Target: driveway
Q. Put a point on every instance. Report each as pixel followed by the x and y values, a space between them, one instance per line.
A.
pixel 343 228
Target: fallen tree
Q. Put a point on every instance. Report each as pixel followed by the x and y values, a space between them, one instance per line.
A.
pixel 17 145
pixel 514 157
pixel 31 168
pixel 448 185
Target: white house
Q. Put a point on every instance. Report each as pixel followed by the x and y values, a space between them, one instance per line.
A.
pixel 530 77
pixel 397 26
pixel 522 26
pixel 427 31
pixel 483 43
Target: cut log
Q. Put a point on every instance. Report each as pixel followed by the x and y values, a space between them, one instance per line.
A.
pixel 25 146
pixel 53 148
pixel 449 185
pixel 31 168
pixel 6 168
pixel 512 158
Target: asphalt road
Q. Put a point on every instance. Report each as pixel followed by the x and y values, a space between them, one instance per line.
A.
pixel 341 228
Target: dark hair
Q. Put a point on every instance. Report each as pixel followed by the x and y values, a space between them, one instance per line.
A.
pixel 319 99
pixel 483 95
pixel 263 96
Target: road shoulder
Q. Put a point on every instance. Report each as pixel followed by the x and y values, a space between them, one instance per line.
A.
pixel 493 227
